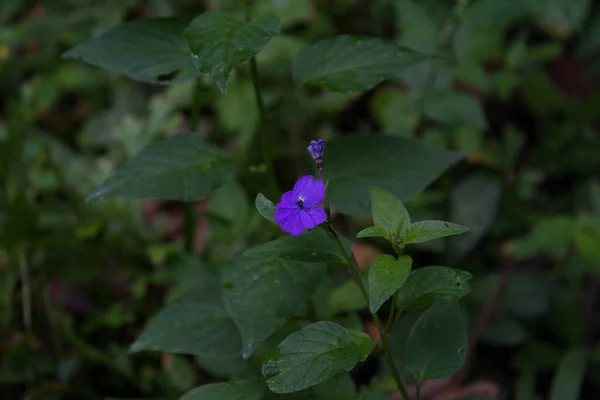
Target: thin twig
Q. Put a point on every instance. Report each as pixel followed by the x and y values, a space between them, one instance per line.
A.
pixel 25 289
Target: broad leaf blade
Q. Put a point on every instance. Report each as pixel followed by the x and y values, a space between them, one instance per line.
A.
pixel 404 167
pixel 313 355
pixel 151 50
pixel 437 345
pixel 387 275
pixel 219 42
pixel 350 63
pixel 182 167
pixel 265 207
pixel 423 231
pixel 195 323
pixel 247 389
pixel 427 285
pixel 388 212
pixel 260 293
pixel 569 375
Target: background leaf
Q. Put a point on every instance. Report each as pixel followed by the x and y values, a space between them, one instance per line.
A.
pixel 219 42
pixel 386 275
pixel 423 231
pixel 351 63
pixel 248 389
pixel 354 163
pixel 569 375
pixel 437 344
pixel 182 167
pixel 151 50
pixel 261 293
pixel 427 285
pixel 454 108
pixel 313 355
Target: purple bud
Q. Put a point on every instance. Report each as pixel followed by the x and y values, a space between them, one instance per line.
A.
pixel 316 148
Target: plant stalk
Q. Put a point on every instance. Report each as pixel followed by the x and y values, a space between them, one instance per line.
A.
pixel 354 269
pixel 25 290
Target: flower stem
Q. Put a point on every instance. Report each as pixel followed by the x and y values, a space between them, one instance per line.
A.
pixel 264 128
pixel 354 269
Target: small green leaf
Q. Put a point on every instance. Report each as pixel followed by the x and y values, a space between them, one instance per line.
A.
pixel 313 246
pixel 195 323
pixel 356 162
pixel 265 207
pixel 569 375
pixel 387 275
pixel 423 231
pixel 261 293
pixel 374 231
pixel 388 212
pixel 219 42
pixel 313 355
pixel 182 167
pixel 455 108
pixel 427 285
pixel 150 50
pixel 247 389
pixel 351 63
pixel 437 345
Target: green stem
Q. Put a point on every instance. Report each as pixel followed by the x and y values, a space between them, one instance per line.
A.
pixel 354 269
pixel 393 313
pixel 25 289
pixel 190 226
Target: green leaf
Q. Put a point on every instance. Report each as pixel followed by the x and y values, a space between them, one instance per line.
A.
pixel 401 166
pixel 247 389
pixel 351 63
pixel 313 246
pixel 437 345
pixel 388 212
pixel 374 231
pixel 261 293
pixel 340 387
pixel 452 107
pixel 182 167
pixel 428 285
pixel 387 275
pixel 347 297
pixel 569 375
pixel 219 42
pixel 504 332
pixel 265 207
pixel 195 323
pixel 151 50
pixel 418 30
pixel 423 231
pixel 313 355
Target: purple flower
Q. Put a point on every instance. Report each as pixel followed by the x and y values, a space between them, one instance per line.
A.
pixel 300 208
pixel 316 148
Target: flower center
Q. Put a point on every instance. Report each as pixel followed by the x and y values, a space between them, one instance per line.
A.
pixel 300 202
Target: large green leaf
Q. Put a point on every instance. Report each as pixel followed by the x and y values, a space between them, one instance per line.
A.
pixel 195 323
pixel 151 50
pixel 313 246
pixel 386 275
pixel 219 42
pixel 247 389
pixel 313 355
pixel 401 166
pixel 350 63
pixel 437 345
pixel 423 231
pixel 430 284
pixel 260 293
pixel 569 375
pixel 181 167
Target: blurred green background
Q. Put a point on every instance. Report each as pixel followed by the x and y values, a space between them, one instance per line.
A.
pixel 514 87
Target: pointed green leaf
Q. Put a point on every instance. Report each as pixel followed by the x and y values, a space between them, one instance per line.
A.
pixel 427 285
pixel 313 246
pixel 150 50
pixel 437 345
pixel 265 207
pixel 261 293
pixel 351 63
pixel 313 355
pixel 569 375
pixel 387 275
pixel 219 42
pixel 423 231
pixel 388 212
pixel 195 323
pixel 356 162
pixel 247 389
pixel 374 231
pixel 182 167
